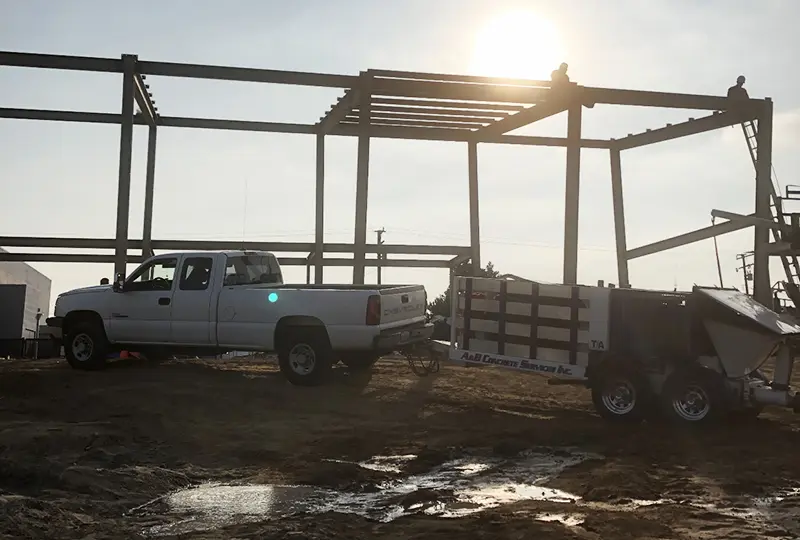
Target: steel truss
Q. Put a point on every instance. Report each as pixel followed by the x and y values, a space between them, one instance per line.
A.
pixel 399 105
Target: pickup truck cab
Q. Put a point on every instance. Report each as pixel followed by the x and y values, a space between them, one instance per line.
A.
pixel 208 303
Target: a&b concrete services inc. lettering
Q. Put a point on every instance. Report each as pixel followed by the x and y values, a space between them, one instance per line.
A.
pixel 515 364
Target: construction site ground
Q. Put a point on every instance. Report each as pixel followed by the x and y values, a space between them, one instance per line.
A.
pixel 97 454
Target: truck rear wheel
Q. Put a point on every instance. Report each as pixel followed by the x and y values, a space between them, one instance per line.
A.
pixel 620 394
pixel 360 361
pixel 86 346
pixel 305 357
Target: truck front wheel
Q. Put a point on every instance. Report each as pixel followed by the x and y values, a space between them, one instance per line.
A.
pixel 86 346
pixel 305 357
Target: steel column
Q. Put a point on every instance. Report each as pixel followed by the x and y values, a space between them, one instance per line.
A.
pixel 619 219
pixel 125 154
pixel 761 281
pixel 319 210
pixel 572 195
pixel 149 186
pixel 474 207
pixel 362 181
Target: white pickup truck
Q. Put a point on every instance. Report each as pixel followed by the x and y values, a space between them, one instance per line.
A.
pixel 208 303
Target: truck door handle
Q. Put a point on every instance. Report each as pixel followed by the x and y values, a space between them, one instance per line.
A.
pixel 163 301
pixel 404 299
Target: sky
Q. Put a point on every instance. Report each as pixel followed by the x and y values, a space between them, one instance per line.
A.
pixel 60 179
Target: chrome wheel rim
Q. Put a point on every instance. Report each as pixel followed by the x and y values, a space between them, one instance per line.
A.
pixel 302 359
pixel 82 347
pixel 692 404
pixel 619 397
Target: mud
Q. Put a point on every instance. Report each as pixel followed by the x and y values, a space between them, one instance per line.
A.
pixel 127 453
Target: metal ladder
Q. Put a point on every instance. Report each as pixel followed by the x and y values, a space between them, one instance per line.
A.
pixel 790 263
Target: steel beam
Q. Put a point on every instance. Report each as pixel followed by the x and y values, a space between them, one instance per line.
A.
pixel 236 125
pixel 337 113
pixel 752 220
pixel 416 123
pixel 61 116
pixel 65 257
pixel 641 98
pixel 414 117
pixel 450 104
pixel 149 188
pixel 572 195
pixel 458 91
pixel 228 245
pixel 619 219
pixel 684 129
pixel 319 210
pixel 474 207
pixel 58 61
pixel 447 77
pixel 125 155
pixel 142 97
pixel 228 73
pixel 362 179
pixel 761 280
pixel 439 111
pixel 559 103
pixel 687 238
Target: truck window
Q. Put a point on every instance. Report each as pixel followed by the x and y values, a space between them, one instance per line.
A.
pixel 156 275
pixel 195 274
pixel 253 269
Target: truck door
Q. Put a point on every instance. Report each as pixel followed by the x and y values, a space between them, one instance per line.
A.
pixel 192 302
pixel 140 313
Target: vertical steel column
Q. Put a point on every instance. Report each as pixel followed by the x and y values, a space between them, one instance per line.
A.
pixel 319 210
pixel 619 219
pixel 149 186
pixel 125 154
pixel 572 195
pixel 474 207
pixel 362 180
pixel 761 280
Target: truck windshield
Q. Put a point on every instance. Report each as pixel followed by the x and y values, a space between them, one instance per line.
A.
pixel 253 269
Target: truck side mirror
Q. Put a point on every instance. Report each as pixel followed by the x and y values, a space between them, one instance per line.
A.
pixel 119 282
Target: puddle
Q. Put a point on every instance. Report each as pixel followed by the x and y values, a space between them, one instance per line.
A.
pixel 570 520
pixel 453 489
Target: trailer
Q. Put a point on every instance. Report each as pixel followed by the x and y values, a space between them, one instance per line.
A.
pixel 692 357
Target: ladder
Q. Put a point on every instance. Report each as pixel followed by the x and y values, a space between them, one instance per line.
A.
pixel 790 263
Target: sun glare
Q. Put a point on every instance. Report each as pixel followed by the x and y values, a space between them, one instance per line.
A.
pixel 518 44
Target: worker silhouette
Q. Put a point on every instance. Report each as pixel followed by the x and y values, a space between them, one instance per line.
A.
pixel 738 91
pixel 559 76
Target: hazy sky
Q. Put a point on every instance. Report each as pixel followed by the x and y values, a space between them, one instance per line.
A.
pixel 60 179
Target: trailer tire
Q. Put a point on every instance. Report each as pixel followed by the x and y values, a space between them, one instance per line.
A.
pixel 357 362
pixel 692 396
pixel 620 394
pixel 86 346
pixel 305 356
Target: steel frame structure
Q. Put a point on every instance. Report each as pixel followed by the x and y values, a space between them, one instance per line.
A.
pixel 399 105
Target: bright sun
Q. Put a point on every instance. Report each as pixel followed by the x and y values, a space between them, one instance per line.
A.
pixel 518 44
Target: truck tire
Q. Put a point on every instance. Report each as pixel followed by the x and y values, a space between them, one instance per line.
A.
pixel 693 396
pixel 356 362
pixel 620 394
pixel 305 357
pixel 86 346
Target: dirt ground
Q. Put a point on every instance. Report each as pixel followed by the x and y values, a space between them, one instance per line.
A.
pixel 87 455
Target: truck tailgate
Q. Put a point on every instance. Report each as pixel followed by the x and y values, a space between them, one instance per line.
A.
pixel 402 305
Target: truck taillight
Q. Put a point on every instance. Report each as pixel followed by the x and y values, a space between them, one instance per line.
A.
pixel 374 310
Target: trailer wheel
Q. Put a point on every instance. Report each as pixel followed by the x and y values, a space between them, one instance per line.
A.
pixel 86 346
pixel 692 396
pixel 620 394
pixel 305 356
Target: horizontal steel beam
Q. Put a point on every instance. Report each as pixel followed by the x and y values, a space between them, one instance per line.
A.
pixel 457 91
pixel 424 116
pixel 641 98
pixel 227 73
pixel 440 111
pixel 62 116
pixel 684 129
pixel 413 122
pixel 223 245
pixel 414 75
pixel 142 97
pixel 58 61
pixel 687 238
pixel 507 107
pixel 236 125
pixel 285 261
pixel 751 220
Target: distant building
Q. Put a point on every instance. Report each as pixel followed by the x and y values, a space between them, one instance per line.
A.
pixel 23 291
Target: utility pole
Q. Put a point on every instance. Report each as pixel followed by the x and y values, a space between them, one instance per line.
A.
pixel 380 233
pixel 745 269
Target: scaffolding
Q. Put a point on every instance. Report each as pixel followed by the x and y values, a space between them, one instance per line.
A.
pixel 470 110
